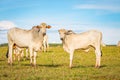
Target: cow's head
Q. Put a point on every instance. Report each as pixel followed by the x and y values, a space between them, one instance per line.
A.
pixel 43 27
pixel 62 33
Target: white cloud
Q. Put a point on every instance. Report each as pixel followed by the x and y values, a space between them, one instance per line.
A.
pixel 114 8
pixel 6 25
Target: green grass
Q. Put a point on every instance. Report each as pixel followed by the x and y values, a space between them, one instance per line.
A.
pixel 54 65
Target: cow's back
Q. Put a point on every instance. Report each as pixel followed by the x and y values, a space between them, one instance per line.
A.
pixel 94 36
pixel 19 36
pixel 83 40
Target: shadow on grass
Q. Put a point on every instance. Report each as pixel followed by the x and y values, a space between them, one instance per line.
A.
pixel 102 66
pixel 44 65
pixel 2 60
pixel 50 65
pixel 90 66
pixel 46 52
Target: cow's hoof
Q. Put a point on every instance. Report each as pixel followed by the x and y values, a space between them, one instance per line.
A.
pixel 70 67
pixel 97 66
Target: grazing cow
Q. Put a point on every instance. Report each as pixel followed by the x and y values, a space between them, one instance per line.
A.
pixel 31 39
pixel 45 43
pixel 72 41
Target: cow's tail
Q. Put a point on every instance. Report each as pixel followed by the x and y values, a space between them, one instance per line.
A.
pixel 102 44
pixel 7 53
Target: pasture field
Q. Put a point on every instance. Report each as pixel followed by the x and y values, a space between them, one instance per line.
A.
pixel 54 65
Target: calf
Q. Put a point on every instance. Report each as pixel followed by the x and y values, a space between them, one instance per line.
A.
pixel 18 52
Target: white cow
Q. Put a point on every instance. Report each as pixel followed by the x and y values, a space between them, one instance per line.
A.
pixel 31 39
pixel 72 41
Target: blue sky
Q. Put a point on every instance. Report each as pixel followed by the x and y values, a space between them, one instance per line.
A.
pixel 78 15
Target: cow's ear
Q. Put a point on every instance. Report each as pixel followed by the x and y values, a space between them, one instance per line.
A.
pixel 68 32
pixel 48 26
pixel 36 28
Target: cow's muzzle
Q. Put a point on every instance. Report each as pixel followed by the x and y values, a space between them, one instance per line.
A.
pixel 44 34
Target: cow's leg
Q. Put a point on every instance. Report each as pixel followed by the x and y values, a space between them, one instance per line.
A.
pixel 31 55
pixel 27 51
pixel 34 58
pixel 14 54
pixel 22 53
pixel 71 58
pixel 19 56
pixel 44 46
pixel 10 54
pixel 47 46
pixel 98 57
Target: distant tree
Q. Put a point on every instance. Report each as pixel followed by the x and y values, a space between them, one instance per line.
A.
pixel 4 44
